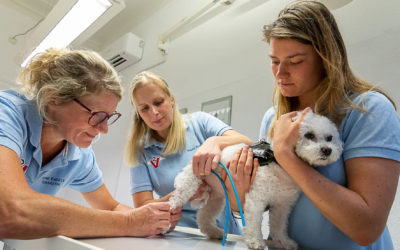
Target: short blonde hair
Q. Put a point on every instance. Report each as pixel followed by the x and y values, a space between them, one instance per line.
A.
pixel 176 139
pixel 62 75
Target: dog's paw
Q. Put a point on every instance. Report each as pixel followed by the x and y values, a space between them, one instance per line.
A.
pixel 258 244
pixel 285 244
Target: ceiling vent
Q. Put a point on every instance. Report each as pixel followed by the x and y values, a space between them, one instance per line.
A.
pixel 124 52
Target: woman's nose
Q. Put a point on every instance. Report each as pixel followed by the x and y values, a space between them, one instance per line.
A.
pixel 282 70
pixel 103 126
pixel 154 109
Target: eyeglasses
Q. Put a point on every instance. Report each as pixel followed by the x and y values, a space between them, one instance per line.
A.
pixel 99 116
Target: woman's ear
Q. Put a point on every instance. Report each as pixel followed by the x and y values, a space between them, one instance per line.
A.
pixel 51 104
pixel 173 102
pixel 51 97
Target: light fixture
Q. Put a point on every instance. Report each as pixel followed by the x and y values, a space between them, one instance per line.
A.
pixel 164 38
pixel 68 20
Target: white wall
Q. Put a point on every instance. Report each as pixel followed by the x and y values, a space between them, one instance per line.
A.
pixel 10 53
pixel 225 56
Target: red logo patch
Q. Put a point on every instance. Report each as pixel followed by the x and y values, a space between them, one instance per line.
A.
pixel 154 161
pixel 23 165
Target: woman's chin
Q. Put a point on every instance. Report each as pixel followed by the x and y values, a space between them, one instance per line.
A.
pixel 85 144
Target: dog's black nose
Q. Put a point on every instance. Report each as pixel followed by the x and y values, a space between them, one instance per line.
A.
pixel 326 151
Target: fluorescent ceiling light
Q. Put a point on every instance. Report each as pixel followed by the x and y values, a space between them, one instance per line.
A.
pixel 78 19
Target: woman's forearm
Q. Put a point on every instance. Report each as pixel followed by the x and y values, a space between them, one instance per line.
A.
pixel 231 137
pixel 39 215
pixel 162 199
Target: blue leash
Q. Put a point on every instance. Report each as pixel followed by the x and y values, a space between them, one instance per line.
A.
pixel 227 208
pixel 227 201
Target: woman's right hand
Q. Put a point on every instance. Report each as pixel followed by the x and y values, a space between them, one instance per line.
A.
pixel 243 169
pixel 286 133
pixel 149 219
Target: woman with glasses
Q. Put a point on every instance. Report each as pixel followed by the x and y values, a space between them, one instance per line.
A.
pixel 70 98
pixel 162 143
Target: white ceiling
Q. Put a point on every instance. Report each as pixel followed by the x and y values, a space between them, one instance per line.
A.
pixel 37 8
pixel 17 17
pixel 135 12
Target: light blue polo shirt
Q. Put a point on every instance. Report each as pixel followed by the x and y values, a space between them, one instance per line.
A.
pixel 20 131
pixel 157 172
pixel 372 134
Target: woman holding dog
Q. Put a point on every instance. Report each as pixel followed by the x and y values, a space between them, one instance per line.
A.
pixel 162 143
pixel 344 205
pixel 45 136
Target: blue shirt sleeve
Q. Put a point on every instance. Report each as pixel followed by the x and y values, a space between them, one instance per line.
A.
pixel 140 178
pixel 12 127
pixel 375 133
pixel 266 122
pixel 209 125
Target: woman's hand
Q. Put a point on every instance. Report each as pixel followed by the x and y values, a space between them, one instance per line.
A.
pixel 206 158
pixel 286 133
pixel 176 215
pixel 243 170
pixel 149 219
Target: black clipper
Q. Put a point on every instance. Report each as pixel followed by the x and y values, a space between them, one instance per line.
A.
pixel 263 152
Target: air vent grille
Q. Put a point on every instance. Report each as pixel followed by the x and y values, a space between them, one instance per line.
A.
pixel 117 60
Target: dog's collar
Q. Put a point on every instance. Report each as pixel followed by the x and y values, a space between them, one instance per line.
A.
pixel 263 152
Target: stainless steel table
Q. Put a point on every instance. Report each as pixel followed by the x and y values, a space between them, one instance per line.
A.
pixel 181 238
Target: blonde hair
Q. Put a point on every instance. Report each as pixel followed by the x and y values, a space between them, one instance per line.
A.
pixel 61 75
pixel 176 139
pixel 311 22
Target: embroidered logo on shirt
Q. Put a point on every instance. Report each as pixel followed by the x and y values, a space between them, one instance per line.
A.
pixel 154 161
pixel 54 181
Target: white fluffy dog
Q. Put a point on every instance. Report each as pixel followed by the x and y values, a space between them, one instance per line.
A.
pixel 273 189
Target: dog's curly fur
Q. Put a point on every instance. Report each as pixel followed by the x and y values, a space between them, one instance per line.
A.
pixel 318 144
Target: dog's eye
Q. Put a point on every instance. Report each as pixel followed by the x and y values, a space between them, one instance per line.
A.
pixel 329 138
pixel 309 136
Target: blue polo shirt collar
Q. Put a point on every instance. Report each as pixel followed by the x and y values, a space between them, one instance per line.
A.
pixel 72 152
pixel 150 142
pixel 35 123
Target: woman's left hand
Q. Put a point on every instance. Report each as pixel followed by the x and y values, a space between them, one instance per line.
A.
pixel 206 158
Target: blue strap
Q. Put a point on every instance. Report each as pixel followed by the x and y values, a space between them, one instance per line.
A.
pixel 227 201
pixel 236 194
pixel 227 208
